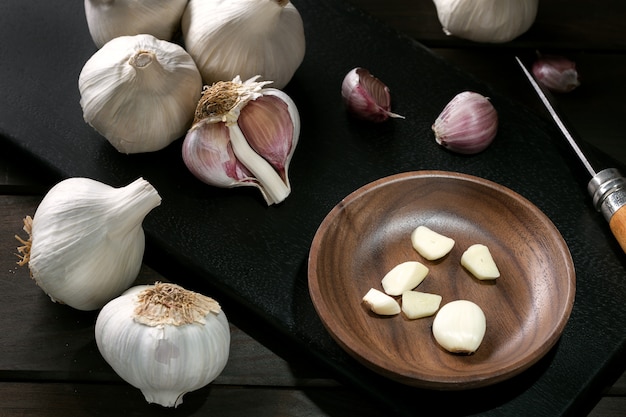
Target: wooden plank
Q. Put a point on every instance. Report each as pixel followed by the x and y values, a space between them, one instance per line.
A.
pixel 68 399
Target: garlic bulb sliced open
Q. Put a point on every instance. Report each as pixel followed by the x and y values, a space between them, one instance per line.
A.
pixel 108 19
pixel 229 38
pixel 86 240
pixel 140 92
pixel 244 134
pixel 164 340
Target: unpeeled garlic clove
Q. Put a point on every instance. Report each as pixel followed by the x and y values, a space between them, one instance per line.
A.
pixel 244 134
pixel 467 125
pixel 366 97
pixel 556 73
pixel 460 326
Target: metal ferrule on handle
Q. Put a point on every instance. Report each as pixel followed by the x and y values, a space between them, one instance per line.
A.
pixel 608 190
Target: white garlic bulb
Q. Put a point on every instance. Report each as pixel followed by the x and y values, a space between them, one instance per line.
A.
pixel 493 21
pixel 108 19
pixel 140 92
pixel 244 134
pixel 227 38
pixel 164 340
pixel 86 240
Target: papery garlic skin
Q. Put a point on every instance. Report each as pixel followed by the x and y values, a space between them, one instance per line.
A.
pixel 489 21
pixel 140 92
pixel 229 38
pixel 108 19
pixel 468 124
pixel 164 340
pixel 366 97
pixel 556 73
pixel 87 241
pixel 244 134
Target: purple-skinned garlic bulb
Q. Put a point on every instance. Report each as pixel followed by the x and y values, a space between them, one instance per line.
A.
pixel 366 97
pixel 468 123
pixel 556 73
pixel 243 134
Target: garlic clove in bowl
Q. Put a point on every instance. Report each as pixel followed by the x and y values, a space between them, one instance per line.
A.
pixel 164 340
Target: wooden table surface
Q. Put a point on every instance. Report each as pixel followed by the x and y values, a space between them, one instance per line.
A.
pixel 262 378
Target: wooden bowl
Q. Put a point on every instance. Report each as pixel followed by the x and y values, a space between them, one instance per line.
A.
pixel 368 233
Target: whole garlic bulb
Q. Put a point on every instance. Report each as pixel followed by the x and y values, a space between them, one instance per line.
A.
pixel 139 92
pixel 492 21
pixel 108 19
pixel 227 38
pixel 164 340
pixel 244 134
pixel 86 240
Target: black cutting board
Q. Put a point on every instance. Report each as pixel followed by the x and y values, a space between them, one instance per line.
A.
pixel 229 244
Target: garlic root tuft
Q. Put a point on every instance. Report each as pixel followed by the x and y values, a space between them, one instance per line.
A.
pixel 24 250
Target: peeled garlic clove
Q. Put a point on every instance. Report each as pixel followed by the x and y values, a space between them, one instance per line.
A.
pixel 478 261
pixel 381 303
pixel 140 92
pixel 430 244
pixel 460 326
pixel 403 277
pixel 86 240
pixel 244 134
pixel 108 19
pixel 467 125
pixel 366 97
pixel 244 38
pixel 164 340
pixel 493 21
pixel 416 305
pixel 556 73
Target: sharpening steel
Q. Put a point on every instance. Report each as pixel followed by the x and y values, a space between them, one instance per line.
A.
pixel 606 187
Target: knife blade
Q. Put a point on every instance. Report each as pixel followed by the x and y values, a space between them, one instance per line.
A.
pixel 606 187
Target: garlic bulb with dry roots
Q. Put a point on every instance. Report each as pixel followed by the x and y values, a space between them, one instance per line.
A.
pixel 468 124
pixel 366 97
pixel 108 19
pixel 164 340
pixel 244 134
pixel 229 38
pixel 492 21
pixel 140 92
pixel 86 240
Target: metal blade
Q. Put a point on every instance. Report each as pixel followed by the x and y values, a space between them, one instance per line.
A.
pixel 548 104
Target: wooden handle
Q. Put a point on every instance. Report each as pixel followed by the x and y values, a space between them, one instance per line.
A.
pixel 618 226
